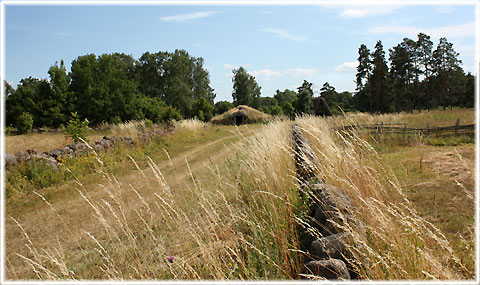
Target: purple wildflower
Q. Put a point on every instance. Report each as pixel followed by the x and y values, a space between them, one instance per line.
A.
pixel 170 259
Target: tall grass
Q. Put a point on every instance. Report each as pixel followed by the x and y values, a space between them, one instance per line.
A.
pixel 236 223
pixel 191 125
pixel 433 118
pixel 395 242
pixel 130 128
pixel 240 220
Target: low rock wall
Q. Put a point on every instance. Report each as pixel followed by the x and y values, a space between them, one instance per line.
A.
pixel 77 149
pixel 323 238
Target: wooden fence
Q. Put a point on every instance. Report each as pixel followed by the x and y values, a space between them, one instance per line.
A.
pixel 401 128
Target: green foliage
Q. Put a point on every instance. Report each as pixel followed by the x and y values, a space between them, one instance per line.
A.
pixel 175 78
pixel 148 123
pixel 419 77
pixel 170 113
pixel 276 111
pixel 77 129
pixel 304 103
pixel 450 141
pixel 202 109
pixel 288 109
pixel 285 96
pixel 245 88
pixel 24 123
pixel 222 106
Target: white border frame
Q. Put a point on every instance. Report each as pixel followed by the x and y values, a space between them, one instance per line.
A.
pixel 234 3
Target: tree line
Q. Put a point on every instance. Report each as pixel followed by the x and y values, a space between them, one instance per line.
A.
pixel 114 88
pixel 288 102
pixel 164 85
pixel 419 77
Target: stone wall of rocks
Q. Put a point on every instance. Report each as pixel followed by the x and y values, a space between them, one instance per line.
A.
pixel 323 238
pixel 77 149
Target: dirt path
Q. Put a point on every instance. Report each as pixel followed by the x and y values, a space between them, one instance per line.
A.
pixel 73 215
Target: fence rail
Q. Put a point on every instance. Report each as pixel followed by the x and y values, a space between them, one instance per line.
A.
pixel 401 128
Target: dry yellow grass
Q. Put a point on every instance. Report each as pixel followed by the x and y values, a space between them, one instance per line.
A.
pixel 228 213
pixel 434 118
pixel 398 244
pixel 231 220
pixel 40 142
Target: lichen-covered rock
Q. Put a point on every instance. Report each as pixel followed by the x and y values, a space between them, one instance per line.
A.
pixel 9 160
pixel 332 246
pixel 22 156
pixel 304 157
pixel 106 143
pixel 56 153
pixel 331 269
pixel 98 147
pixel 48 160
pixel 77 146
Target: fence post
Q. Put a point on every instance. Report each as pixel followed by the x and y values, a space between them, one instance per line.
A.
pixel 457 125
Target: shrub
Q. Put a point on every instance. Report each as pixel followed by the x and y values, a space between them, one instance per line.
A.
pixel 77 129
pixel 24 123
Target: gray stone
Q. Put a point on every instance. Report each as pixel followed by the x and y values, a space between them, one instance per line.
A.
pixel 77 146
pixel 304 157
pixel 98 147
pixel 56 153
pixel 22 156
pixel 67 150
pixel 332 246
pixel 48 160
pixel 331 269
pixel 106 143
pixel 10 160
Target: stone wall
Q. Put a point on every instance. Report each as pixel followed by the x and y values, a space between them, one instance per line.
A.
pixel 77 149
pixel 323 240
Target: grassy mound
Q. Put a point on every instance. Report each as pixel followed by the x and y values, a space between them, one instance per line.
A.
pixel 254 116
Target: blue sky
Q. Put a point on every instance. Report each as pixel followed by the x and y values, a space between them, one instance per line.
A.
pixel 281 45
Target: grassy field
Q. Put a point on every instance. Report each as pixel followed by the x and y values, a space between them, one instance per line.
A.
pixel 221 202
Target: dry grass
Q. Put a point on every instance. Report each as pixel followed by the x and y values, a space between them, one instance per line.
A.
pixel 233 215
pixel 192 125
pixel 40 142
pixel 434 118
pixel 398 243
pixel 236 222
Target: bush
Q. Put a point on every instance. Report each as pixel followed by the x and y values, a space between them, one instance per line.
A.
pixel 24 123
pixel 77 129
pixel 169 113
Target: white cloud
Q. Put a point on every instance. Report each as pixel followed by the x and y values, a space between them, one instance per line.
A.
pixel 187 17
pixel 454 31
pixel 265 73
pixel 367 11
pixel 301 72
pixel 286 35
pixel 268 73
pixel 347 67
